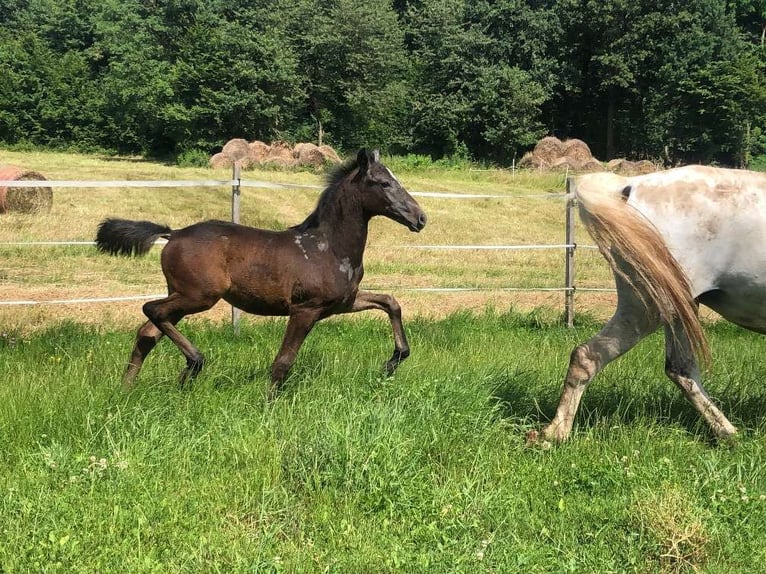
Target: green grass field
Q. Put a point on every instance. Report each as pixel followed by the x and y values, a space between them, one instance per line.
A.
pixel 348 471
pixel 351 472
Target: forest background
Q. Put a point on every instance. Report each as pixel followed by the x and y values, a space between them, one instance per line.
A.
pixel 671 81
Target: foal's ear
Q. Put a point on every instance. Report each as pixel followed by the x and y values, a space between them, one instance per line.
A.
pixel 365 158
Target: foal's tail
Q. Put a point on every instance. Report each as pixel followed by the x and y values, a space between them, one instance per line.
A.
pixel 623 234
pixel 125 237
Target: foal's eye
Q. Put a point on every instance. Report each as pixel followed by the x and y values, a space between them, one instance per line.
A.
pixel 385 183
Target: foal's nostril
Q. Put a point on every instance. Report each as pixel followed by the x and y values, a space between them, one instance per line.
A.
pixel 422 220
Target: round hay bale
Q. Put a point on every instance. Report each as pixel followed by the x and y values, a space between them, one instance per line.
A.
pixel 625 167
pixel 280 150
pixel 258 151
pixel 531 161
pixel 279 161
pixel 591 165
pixel 329 154
pixel 614 164
pixel 577 150
pixel 308 154
pixel 299 147
pixel 244 163
pixel 549 149
pixel 236 148
pixel 38 199
pixel 221 160
pixel 566 163
pixel 645 166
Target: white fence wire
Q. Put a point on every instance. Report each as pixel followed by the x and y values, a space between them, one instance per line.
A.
pixel 236 183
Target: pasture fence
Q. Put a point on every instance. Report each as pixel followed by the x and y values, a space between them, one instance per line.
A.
pixel 236 183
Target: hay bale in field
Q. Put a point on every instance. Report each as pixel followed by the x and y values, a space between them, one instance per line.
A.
pixel 308 154
pixel 612 164
pixel 329 154
pixel 566 163
pixel 619 165
pixel 282 151
pixel 221 160
pixel 244 163
pixel 279 161
pixel 258 151
pixel 38 199
pixel 591 165
pixel 300 146
pixel 549 149
pixel 645 166
pixel 236 148
pixel 530 161
pixel 577 150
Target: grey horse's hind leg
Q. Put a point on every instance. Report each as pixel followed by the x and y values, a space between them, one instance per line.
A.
pixel 631 322
pixel 681 368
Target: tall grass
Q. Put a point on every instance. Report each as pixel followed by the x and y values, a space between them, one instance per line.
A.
pixel 348 471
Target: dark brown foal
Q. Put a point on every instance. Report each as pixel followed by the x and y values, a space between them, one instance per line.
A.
pixel 307 272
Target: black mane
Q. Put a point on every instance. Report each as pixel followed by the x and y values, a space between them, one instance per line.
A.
pixel 333 180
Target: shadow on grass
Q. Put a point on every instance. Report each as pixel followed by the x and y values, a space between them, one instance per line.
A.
pixel 517 395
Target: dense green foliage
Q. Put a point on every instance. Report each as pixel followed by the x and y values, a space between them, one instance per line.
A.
pixel 351 472
pixel 660 79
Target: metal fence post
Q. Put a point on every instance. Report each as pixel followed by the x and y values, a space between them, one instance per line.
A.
pixel 235 188
pixel 569 268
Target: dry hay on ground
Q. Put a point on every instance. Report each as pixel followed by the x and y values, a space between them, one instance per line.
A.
pixel 329 154
pixel 529 160
pixel 221 160
pixel 236 148
pixel 627 167
pixel 553 153
pixel 308 154
pixel 577 150
pixel 591 165
pixel 258 151
pixel 549 149
pixel 24 199
pixel 566 163
pixel 645 166
pixel 278 153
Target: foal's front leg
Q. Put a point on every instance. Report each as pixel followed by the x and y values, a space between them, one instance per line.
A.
pixel 298 327
pixel 366 300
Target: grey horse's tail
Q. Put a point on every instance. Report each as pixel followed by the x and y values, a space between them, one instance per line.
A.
pixel 125 237
pixel 637 252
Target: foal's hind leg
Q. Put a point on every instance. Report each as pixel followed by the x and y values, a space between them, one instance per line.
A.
pixel 165 313
pixel 146 339
pixel 681 368
pixel 366 300
pixel 631 322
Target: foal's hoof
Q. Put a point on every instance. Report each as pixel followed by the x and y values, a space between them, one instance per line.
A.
pixel 273 391
pixel 389 367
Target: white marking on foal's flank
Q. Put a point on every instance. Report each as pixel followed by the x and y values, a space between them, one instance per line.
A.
pixel 299 244
pixel 345 267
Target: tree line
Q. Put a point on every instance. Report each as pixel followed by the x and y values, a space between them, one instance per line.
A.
pixel 666 80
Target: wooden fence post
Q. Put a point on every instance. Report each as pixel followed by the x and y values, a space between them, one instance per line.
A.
pixel 569 268
pixel 235 188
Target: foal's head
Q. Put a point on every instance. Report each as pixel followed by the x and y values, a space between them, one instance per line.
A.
pixel 382 194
